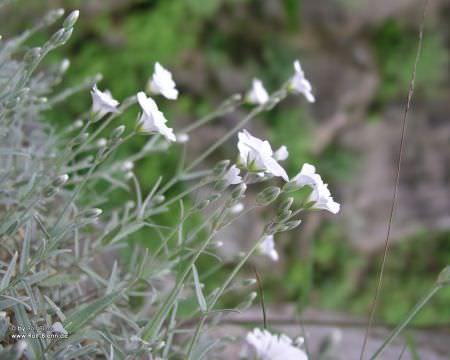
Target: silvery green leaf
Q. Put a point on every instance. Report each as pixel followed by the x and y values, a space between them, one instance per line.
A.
pixel 9 272
pixel 198 290
pixel 82 317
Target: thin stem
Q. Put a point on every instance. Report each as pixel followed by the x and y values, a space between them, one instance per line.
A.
pixel 219 294
pixel 396 184
pixel 405 322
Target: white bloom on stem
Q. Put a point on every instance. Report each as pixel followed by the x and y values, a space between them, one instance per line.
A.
pixel 281 154
pixel 152 120
pixel 236 209
pixel 58 328
pixel 267 247
pixel 257 94
pixel 127 165
pixel 299 84
pixel 267 346
pixel 232 175
pixel 103 102
pixel 257 155
pixel 321 195
pixel 162 83
pixel 102 142
pixel 182 138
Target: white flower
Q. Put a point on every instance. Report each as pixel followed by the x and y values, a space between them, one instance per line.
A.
pixel 101 142
pixel 78 123
pixel 257 155
pixel 299 84
pixel 232 176
pixel 257 94
pixel 58 328
pixel 152 120
pixel 162 83
pixel 281 154
pixel 320 195
pixel 64 65
pixel 103 102
pixel 127 166
pixel 236 209
pixel 267 346
pixel 182 138
pixel 267 247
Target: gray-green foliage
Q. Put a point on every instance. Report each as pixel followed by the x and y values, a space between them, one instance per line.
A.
pixel 64 285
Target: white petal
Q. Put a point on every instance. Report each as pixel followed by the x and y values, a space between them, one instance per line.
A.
pixel 281 154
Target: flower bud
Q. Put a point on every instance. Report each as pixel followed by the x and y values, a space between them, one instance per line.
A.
pixel 268 195
pixel 158 199
pixel 78 124
pixel 91 213
pixel 284 215
pixel 64 65
pixel 214 197
pixel 220 168
pixel 238 191
pixel 101 142
pixel 60 180
pixel 285 205
pixel 52 16
pixel 444 276
pixel 202 205
pixel 32 55
pixel 290 225
pixel 55 39
pixel 248 282
pixel 221 185
pixel 117 132
pixel 291 186
pixel 65 36
pixel 71 19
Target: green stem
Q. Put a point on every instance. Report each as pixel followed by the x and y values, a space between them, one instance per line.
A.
pixel 219 294
pixel 405 322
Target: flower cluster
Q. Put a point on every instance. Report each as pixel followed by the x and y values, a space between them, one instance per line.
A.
pixel 267 346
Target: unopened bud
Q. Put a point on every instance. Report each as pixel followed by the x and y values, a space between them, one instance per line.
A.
pixel 71 19
pixel 291 186
pixel 91 213
pixel 268 195
pixel 290 225
pixel 285 205
pixel 221 167
pixel 65 36
pixel 117 132
pixel 202 205
pixel 52 16
pixel 221 185
pixel 32 55
pixel 238 191
pixel 60 180
pixel 64 65
pixel 444 276
pixel 57 36
pixel 101 142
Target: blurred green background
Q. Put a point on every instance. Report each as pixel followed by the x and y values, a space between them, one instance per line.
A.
pixel 359 59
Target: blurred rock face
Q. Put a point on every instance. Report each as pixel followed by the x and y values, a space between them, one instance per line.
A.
pixel 423 194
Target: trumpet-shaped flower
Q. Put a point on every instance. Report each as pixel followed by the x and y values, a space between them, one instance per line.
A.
pixel 152 120
pixel 257 94
pixel 103 102
pixel 162 83
pixel 281 154
pixel 321 195
pixel 267 247
pixel 267 346
pixel 299 84
pixel 232 175
pixel 257 155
